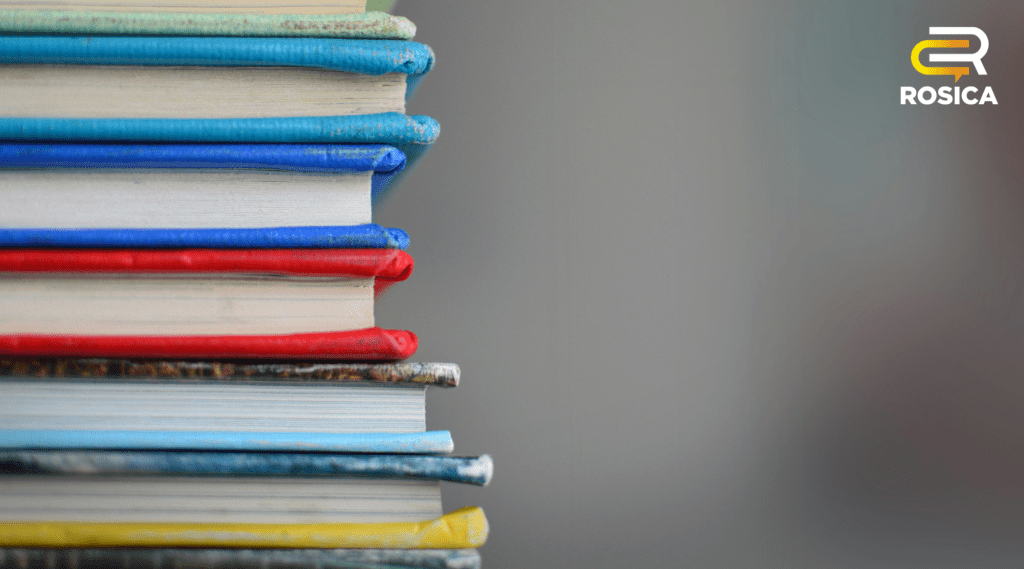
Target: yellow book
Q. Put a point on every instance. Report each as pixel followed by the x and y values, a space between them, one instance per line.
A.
pixel 461 529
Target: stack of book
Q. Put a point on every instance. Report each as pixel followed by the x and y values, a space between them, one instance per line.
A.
pixel 191 370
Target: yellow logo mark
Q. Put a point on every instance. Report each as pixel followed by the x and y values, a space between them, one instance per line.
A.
pixel 957 72
pixel 915 58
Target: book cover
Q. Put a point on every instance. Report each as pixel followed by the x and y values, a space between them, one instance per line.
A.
pixel 430 442
pixel 412 135
pixel 387 266
pixel 369 235
pixel 162 558
pixel 375 57
pixel 465 470
pixel 369 344
pixel 367 25
pixel 382 160
pixel 93 369
pixel 465 528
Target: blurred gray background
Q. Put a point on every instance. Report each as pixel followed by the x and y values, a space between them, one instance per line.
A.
pixel 718 299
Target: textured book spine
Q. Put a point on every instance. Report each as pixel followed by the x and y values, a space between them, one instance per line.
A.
pixel 465 528
pixel 387 264
pixel 369 344
pixel 166 558
pixel 466 470
pixel 367 236
pixel 332 158
pixel 368 25
pixel 99 369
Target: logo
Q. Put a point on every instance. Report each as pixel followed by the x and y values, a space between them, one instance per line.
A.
pixel 949 95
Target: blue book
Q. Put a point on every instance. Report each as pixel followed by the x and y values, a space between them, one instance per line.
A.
pixel 213 89
pixel 466 470
pixel 195 195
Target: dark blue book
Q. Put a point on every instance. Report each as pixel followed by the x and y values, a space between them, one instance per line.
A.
pixel 195 195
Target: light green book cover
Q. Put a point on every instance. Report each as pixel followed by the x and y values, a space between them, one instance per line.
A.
pixel 368 25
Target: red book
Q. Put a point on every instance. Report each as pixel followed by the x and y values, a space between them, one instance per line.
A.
pixel 200 303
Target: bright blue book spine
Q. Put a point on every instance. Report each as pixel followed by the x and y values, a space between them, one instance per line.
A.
pixel 431 442
pixel 384 161
pixel 467 470
pixel 369 236
pixel 413 135
pixel 367 57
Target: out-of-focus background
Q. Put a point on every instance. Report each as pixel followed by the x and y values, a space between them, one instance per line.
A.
pixel 718 298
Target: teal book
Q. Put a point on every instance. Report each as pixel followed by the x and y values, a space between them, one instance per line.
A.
pixel 475 470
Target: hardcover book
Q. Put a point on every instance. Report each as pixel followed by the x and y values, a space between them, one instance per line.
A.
pixel 205 77
pixel 199 303
pixel 209 186
pixel 226 406
pixel 413 135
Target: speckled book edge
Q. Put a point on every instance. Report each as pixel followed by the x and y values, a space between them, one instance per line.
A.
pixel 459 469
pixel 435 374
pixel 240 558
pixel 368 25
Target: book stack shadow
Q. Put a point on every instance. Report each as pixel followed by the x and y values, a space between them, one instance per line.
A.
pixel 191 371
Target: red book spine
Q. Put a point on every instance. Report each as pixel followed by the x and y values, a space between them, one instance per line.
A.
pixel 369 344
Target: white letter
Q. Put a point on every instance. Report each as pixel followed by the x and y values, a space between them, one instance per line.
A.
pixel 956 92
pixel 922 91
pixel 945 97
pixel 907 95
pixel 974 58
pixel 966 90
pixel 988 96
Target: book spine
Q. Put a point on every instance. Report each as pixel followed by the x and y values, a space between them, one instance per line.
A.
pixel 388 264
pixel 339 237
pixel 369 344
pixel 332 158
pixel 466 470
pixel 367 25
pixel 461 529
pixel 100 369
pixel 379 57
pixel 165 558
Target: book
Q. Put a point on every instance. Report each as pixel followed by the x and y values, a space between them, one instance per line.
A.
pixel 171 401
pixel 205 77
pixel 466 470
pixel 364 25
pixel 60 185
pixel 221 6
pixel 412 135
pixel 199 303
pixel 161 558
pixel 464 528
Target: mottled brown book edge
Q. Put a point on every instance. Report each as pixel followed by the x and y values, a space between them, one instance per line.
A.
pixel 433 374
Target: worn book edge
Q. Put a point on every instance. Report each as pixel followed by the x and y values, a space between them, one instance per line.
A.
pixel 99 369
pixel 368 25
